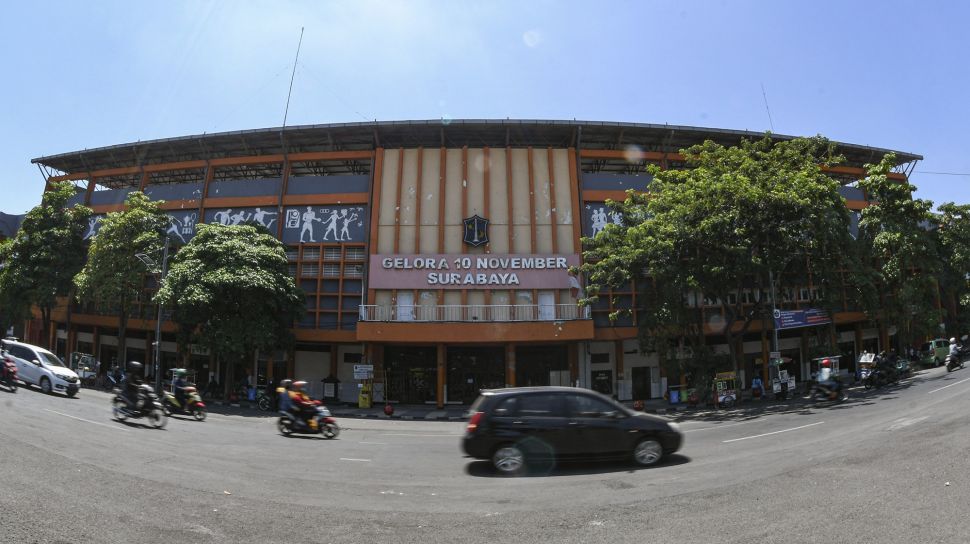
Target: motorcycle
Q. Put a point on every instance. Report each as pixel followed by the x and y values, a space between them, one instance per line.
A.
pixel 149 407
pixel 820 393
pixel 263 402
pixel 8 378
pixel 322 423
pixel 955 362
pixel 193 404
pixel 880 377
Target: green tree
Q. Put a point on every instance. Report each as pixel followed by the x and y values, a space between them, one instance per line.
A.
pixel 718 232
pixel 894 230
pixel 953 236
pixel 13 307
pixel 114 277
pixel 230 290
pixel 39 263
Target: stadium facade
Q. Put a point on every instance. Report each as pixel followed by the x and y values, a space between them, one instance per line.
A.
pixel 435 251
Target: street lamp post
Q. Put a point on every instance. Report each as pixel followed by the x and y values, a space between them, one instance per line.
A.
pixel 158 321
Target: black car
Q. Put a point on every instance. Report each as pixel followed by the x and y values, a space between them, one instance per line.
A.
pixel 515 425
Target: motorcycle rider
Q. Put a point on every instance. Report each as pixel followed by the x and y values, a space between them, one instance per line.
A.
pixel 303 406
pixel 130 386
pixel 283 396
pixel 179 386
pixel 827 381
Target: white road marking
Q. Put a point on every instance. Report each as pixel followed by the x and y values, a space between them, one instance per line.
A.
pixel 906 422
pixel 717 427
pixel 425 435
pixel 84 420
pixel 351 459
pixel 775 432
pixel 951 385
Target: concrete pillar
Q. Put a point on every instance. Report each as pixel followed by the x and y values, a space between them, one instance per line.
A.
pixel 334 368
pixel 573 358
pixel 442 375
pixel 510 365
pixel 618 350
pixel 765 354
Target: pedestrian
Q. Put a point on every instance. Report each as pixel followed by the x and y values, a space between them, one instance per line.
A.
pixel 757 388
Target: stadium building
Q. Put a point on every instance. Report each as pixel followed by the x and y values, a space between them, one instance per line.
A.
pixel 435 251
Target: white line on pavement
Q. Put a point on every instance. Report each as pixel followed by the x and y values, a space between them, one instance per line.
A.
pixel 412 434
pixel 351 459
pixel 84 420
pixel 951 385
pixel 775 432
pixel 717 427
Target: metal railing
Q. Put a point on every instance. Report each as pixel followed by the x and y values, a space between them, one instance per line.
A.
pixel 473 313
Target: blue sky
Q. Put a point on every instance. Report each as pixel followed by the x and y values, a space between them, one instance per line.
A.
pixel 89 74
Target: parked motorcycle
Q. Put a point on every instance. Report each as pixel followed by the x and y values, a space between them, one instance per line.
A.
pixel 150 407
pixel 322 423
pixel 880 377
pixel 8 373
pixel 193 404
pixel 263 402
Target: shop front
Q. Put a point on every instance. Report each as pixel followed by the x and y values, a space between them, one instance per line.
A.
pixel 411 373
pixel 542 365
pixel 473 368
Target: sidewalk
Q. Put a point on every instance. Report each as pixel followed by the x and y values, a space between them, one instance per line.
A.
pixel 401 411
pixel 429 412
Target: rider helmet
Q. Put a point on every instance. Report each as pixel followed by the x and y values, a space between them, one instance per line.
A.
pixel 134 367
pixel 826 362
pixel 953 340
pixel 298 385
pixel 285 384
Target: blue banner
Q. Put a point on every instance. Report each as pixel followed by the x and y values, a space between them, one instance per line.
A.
pixel 793 319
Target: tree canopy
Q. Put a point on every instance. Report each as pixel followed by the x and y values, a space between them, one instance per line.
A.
pixel 721 229
pixel 40 262
pixel 895 231
pixel 953 236
pixel 114 277
pixel 230 290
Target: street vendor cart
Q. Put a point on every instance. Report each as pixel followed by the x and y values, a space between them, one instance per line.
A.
pixel 867 363
pixel 816 365
pixel 726 389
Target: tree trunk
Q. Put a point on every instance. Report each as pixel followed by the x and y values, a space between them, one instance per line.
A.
pixel 122 337
pixel 45 317
pixel 68 349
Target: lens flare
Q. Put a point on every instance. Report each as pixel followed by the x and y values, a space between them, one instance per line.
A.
pixel 632 153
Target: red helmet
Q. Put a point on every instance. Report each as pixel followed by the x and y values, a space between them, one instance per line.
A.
pixel 826 362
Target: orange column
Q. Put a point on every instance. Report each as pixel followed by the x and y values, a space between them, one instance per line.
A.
pixel 442 374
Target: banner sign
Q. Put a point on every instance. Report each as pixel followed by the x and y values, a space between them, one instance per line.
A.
pixel 489 271
pixel 793 319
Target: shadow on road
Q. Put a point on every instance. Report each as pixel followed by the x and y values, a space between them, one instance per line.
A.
pixel 137 424
pixel 550 469
pixel 858 396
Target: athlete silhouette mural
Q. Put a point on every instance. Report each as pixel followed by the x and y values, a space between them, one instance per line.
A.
pixel 340 224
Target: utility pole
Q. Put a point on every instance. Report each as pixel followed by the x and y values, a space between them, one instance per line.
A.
pixel 158 322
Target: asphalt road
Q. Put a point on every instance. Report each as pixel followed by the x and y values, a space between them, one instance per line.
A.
pixel 872 469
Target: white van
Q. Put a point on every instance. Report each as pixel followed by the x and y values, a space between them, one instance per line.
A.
pixel 37 366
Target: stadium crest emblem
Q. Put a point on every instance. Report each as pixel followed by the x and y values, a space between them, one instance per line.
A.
pixel 476 231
